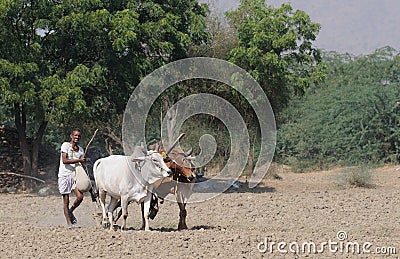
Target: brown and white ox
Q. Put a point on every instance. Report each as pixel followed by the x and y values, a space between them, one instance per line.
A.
pixel 180 184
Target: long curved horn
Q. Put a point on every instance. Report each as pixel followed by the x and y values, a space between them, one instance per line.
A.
pixel 176 142
pixel 189 152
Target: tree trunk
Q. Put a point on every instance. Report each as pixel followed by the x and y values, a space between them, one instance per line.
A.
pixel 30 154
pixel 20 124
pixel 36 146
pixel 113 136
pixel 110 135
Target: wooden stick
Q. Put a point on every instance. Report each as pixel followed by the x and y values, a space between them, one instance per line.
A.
pixel 22 175
pixel 90 142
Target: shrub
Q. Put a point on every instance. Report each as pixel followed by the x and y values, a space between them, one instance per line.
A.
pixel 360 176
pixel 352 118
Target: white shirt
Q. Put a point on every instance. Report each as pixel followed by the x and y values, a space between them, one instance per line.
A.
pixel 69 169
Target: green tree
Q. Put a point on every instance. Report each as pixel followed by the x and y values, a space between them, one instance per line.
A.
pixel 67 62
pixel 127 40
pixel 276 48
pixel 30 90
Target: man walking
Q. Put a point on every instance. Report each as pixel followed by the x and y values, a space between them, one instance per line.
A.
pixel 71 155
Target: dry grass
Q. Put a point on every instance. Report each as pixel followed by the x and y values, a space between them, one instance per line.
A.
pixel 360 176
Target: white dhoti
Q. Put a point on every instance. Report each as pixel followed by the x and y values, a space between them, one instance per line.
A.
pixel 66 184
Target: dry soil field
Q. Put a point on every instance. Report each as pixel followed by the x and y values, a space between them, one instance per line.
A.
pixel 291 215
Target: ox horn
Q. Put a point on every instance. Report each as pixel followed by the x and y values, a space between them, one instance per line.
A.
pixel 175 143
pixel 189 152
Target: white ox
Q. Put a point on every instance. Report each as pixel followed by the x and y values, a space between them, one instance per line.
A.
pixel 128 178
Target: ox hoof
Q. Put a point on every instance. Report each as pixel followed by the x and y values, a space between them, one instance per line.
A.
pixel 184 227
pixel 106 225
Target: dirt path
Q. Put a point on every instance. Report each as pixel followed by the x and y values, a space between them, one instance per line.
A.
pixel 299 210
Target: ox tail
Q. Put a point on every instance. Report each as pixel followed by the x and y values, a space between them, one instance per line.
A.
pixel 95 167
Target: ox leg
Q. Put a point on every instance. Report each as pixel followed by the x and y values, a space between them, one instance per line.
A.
pixel 182 216
pixel 102 195
pixel 119 213
pixel 142 210
pixel 111 207
pixel 124 209
pixel 146 212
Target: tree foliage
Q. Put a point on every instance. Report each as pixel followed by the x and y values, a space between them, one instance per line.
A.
pixel 273 44
pixel 32 93
pixel 66 62
pixel 275 47
pixel 352 118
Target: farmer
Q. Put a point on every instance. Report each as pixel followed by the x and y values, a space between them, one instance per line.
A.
pixel 71 155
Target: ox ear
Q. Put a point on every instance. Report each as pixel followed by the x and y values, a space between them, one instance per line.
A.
pixel 137 159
